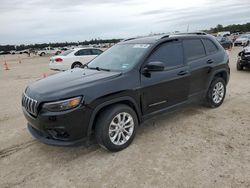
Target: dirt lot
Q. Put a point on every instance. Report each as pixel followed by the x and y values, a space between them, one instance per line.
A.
pixel 192 147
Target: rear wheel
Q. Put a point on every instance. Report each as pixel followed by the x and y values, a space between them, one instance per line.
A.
pixel 42 54
pixel 216 92
pixel 76 65
pixel 116 127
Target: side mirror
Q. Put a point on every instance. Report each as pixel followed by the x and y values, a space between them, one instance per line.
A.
pixel 154 66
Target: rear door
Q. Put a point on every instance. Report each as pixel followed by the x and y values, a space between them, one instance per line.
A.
pixel 195 56
pixel 84 55
pixel 95 52
pixel 169 87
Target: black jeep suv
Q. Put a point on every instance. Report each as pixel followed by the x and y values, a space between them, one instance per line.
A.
pixel 132 81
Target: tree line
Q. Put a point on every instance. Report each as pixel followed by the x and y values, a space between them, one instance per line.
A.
pixel 232 28
pixel 59 44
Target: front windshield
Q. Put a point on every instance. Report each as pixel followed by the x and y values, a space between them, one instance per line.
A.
pixel 120 57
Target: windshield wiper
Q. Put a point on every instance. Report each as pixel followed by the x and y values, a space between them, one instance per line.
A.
pixel 98 68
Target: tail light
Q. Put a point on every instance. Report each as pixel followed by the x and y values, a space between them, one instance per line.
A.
pixel 58 59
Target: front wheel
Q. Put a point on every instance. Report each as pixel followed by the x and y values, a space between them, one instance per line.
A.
pixel 216 92
pixel 116 127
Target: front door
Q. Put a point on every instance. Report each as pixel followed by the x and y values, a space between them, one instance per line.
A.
pixel 163 89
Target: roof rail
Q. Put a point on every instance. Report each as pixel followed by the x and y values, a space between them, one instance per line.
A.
pixel 191 33
pixel 165 36
pixel 129 39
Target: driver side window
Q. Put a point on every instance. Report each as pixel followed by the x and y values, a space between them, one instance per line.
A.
pixel 169 53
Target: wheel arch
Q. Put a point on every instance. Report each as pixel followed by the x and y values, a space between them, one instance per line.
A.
pixel 101 107
pixel 222 73
pixel 75 63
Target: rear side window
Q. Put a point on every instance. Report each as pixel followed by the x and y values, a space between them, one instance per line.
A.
pixel 83 52
pixel 66 53
pixel 96 52
pixel 210 46
pixel 194 49
pixel 170 53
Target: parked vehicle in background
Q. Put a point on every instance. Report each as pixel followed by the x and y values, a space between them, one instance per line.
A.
pixel 48 51
pixel 242 40
pixel 64 48
pixel 234 36
pixel 130 82
pixel 13 52
pixel 225 42
pixel 244 58
pixel 26 51
pixel 223 34
pixel 73 58
pixel 4 52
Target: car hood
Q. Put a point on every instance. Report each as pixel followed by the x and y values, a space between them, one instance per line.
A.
pixel 67 84
pixel 247 49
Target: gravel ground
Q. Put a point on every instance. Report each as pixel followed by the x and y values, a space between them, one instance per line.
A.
pixel 192 147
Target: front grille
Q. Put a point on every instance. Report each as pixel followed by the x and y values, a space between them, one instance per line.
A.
pixel 29 104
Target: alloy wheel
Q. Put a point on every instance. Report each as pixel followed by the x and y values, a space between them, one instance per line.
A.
pixel 218 92
pixel 121 128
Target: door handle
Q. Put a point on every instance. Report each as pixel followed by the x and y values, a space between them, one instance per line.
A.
pixel 210 61
pixel 182 73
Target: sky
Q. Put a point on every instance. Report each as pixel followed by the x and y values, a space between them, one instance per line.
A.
pixel 38 21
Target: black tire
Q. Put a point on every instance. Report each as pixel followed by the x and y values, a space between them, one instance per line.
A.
pixel 239 67
pixel 209 99
pixel 42 54
pixel 103 124
pixel 76 65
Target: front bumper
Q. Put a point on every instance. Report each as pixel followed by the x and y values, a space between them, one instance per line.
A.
pixel 60 128
pixel 244 59
pixel 46 139
pixel 245 63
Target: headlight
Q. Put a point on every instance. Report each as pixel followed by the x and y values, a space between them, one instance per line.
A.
pixel 63 105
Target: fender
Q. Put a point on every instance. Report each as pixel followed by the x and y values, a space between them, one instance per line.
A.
pixel 213 75
pixel 110 102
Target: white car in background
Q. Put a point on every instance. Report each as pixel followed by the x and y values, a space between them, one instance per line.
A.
pixel 242 40
pixel 48 50
pixel 73 58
